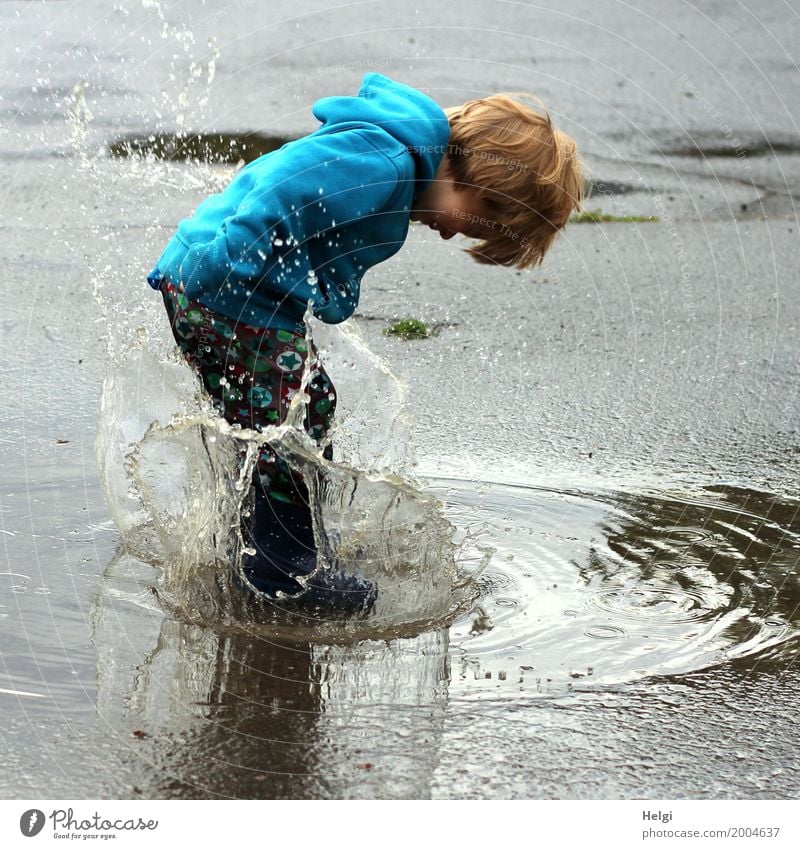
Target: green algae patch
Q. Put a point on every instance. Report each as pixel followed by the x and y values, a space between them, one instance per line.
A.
pixel 409 328
pixel 597 216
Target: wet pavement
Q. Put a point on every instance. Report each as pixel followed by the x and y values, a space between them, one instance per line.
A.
pixel 621 422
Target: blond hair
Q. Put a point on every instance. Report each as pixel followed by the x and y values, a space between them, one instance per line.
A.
pixel 526 173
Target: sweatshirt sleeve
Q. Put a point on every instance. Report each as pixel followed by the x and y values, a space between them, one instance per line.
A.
pixel 238 251
pixel 307 187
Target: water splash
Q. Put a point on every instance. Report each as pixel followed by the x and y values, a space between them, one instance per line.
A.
pixel 79 118
pixel 176 478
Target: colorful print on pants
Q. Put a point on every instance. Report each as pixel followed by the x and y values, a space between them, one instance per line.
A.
pixel 252 374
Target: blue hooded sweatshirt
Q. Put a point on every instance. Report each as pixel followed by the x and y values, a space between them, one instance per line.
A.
pixel 303 223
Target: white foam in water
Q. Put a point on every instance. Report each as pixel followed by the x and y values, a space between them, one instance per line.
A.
pixel 176 478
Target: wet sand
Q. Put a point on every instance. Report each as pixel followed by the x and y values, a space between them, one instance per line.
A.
pixel 644 380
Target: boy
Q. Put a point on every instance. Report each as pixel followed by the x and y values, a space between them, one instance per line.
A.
pixel 301 225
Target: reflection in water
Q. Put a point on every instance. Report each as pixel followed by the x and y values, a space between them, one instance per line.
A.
pixel 690 560
pixel 585 593
pixel 259 716
pixel 589 590
pixel 231 148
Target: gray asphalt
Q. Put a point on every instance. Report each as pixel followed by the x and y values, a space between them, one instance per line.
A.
pixel 651 356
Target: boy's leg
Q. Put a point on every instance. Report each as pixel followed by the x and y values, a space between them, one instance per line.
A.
pixel 252 374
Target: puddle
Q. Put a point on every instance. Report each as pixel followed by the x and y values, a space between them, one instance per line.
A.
pixel 597 589
pixel 584 591
pixel 216 148
pixel 748 148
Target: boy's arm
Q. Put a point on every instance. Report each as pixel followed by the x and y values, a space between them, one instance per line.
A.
pixel 314 184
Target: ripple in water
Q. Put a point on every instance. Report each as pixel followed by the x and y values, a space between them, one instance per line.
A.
pixel 653 604
pixel 687 536
pixel 601 596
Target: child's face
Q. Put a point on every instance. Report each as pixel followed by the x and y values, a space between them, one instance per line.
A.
pixel 450 211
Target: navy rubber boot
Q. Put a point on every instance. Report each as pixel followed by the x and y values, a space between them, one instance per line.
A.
pixel 282 536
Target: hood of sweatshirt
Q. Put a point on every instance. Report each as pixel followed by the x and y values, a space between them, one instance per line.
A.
pixel 408 115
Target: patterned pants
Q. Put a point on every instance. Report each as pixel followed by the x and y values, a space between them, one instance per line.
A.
pixel 252 373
